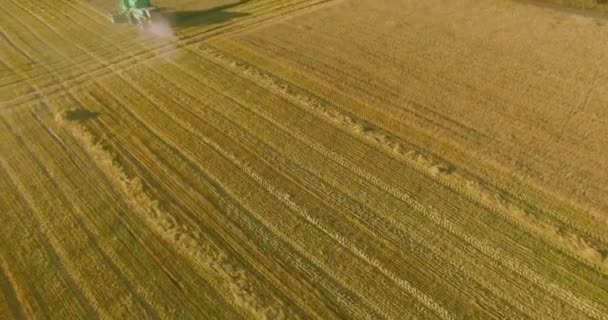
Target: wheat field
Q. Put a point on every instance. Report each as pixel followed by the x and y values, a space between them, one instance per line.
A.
pixel 287 159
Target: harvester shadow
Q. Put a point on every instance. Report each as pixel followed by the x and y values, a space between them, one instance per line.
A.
pixel 215 15
pixel 80 115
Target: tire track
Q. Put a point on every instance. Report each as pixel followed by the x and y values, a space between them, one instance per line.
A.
pixel 104 287
pixel 588 307
pixel 158 257
pixel 562 293
pixel 185 238
pixel 154 53
pixel 246 213
pixel 286 198
pixel 160 106
pixel 274 229
pixel 10 290
pixel 437 170
pixel 228 209
pixel 419 295
pixel 54 9
pixel 398 111
pixel 143 169
pixel 31 301
pixel 84 295
pixel 15 68
pixel 69 194
pixel 194 105
pixel 582 304
pixel 39 93
pixel 341 240
pixel 275 160
pixel 109 258
pixel 530 204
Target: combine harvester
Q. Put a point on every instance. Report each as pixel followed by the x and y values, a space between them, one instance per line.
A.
pixel 135 12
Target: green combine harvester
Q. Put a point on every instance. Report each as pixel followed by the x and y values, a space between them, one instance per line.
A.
pixel 134 11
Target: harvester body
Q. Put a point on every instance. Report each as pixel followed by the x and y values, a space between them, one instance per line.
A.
pixel 134 11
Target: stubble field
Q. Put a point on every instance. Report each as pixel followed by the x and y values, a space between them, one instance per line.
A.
pixel 303 159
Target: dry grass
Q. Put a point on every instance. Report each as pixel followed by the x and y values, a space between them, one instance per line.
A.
pixel 303 159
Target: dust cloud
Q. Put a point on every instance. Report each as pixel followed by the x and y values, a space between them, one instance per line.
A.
pixel 159 27
pixel 160 31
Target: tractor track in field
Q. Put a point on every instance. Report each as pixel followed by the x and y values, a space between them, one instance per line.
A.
pixel 285 58
pixel 156 176
pixel 313 185
pixel 149 311
pixel 125 80
pixel 203 120
pixel 432 215
pixel 191 157
pixel 376 179
pixel 232 207
pixel 83 293
pixel 10 290
pixel 107 257
pixel 472 199
pixel 409 107
pixel 159 106
pixel 272 191
pixel 159 52
pixel 499 202
pixel 406 141
pixel 233 170
pixel 184 236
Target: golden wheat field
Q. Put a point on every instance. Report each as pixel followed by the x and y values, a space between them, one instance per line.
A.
pixel 297 159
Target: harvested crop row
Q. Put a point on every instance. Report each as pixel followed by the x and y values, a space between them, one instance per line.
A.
pixel 402 126
pixel 301 159
pixel 435 169
pixel 199 154
pixel 153 47
pixel 233 209
pixel 316 61
pixel 115 234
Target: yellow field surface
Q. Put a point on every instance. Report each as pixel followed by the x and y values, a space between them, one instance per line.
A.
pixel 285 159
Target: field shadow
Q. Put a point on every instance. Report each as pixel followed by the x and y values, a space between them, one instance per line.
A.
pixel 591 12
pixel 80 115
pixel 192 18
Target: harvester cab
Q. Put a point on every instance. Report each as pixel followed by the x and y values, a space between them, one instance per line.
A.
pixel 134 11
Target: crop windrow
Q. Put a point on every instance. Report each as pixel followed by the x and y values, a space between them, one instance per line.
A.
pixel 186 239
